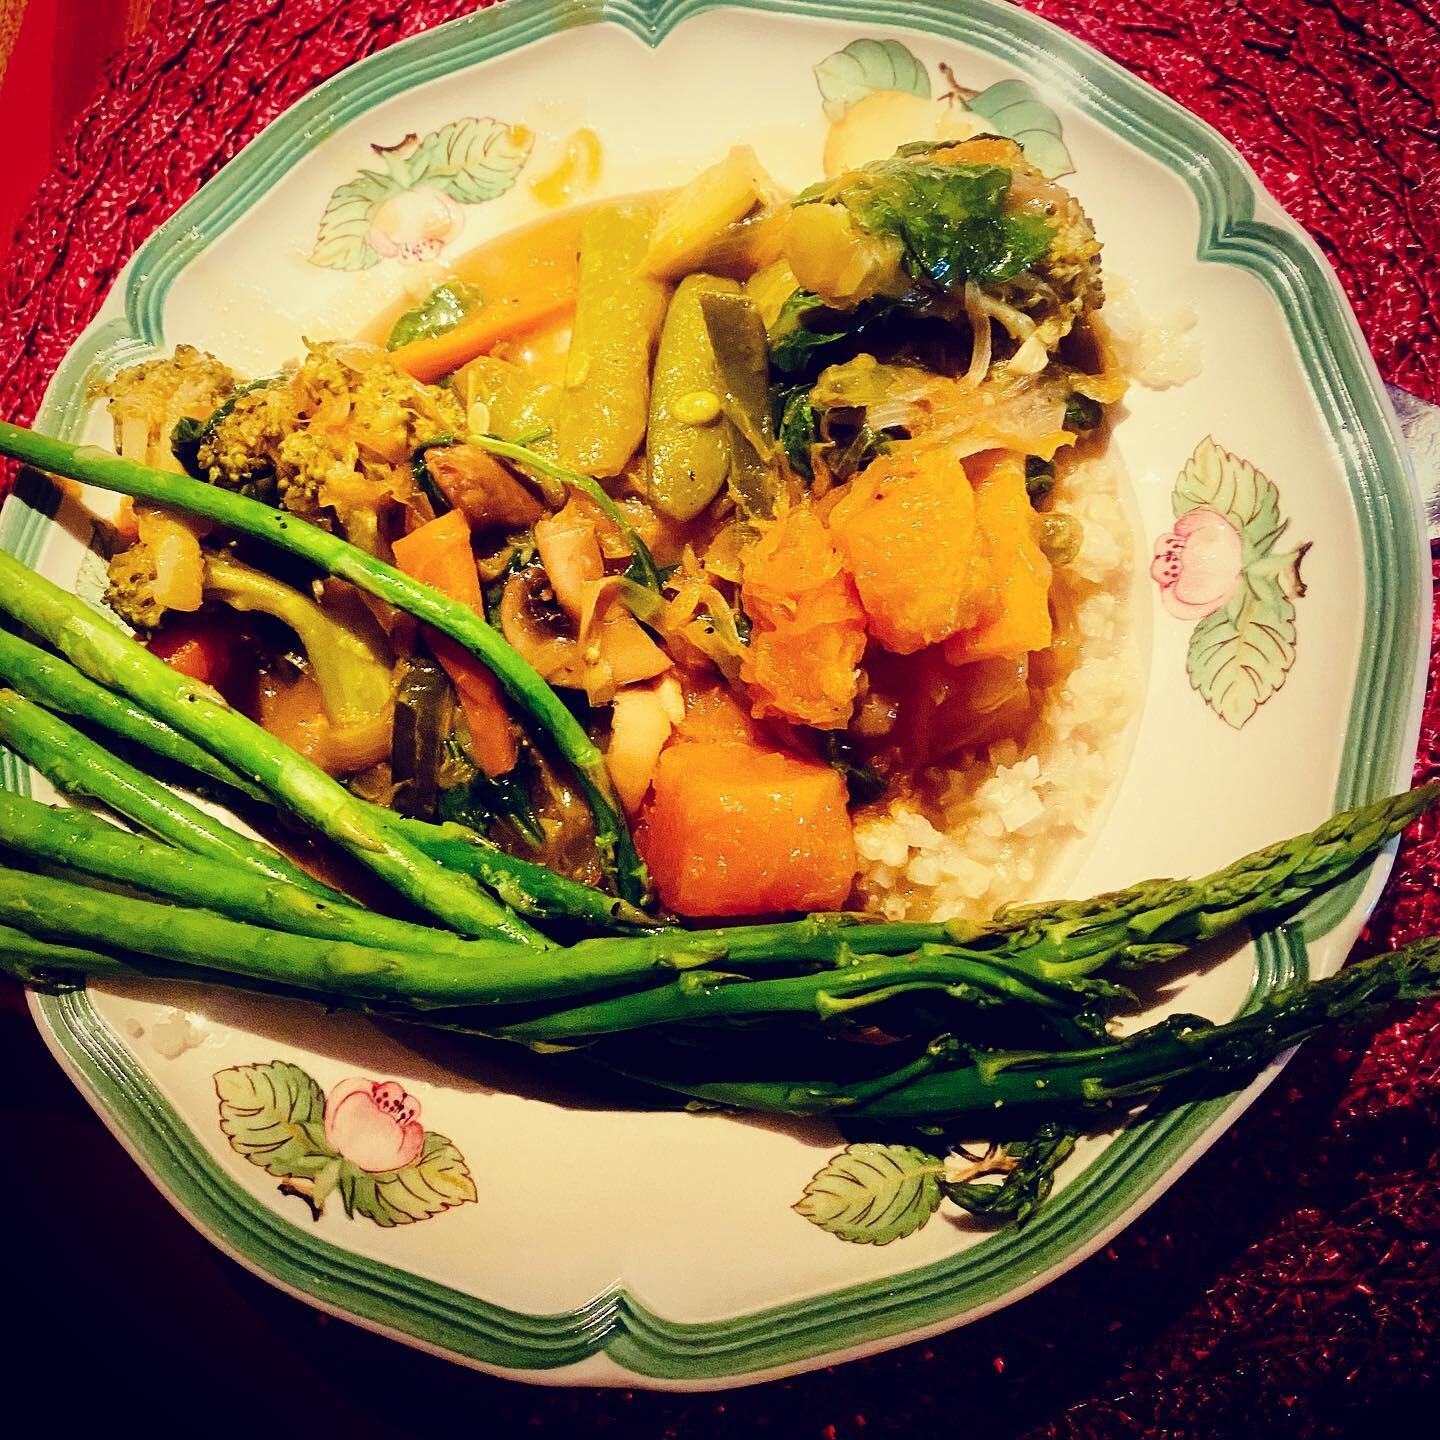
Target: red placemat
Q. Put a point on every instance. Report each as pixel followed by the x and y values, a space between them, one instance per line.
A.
pixel 1290 1284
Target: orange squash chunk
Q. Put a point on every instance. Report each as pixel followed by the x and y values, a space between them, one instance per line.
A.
pixel 1019 613
pixel 736 829
pixel 808 629
pixel 908 530
pixel 712 712
pixel 982 150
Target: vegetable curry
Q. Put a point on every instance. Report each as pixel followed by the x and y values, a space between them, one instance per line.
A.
pixel 758 482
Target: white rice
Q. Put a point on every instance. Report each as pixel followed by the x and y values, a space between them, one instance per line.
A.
pixel 991 824
pixel 1158 350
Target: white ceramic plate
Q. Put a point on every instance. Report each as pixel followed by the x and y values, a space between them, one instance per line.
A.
pixel 568 1244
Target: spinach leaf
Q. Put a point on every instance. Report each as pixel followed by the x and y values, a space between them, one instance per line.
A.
pixel 1081 413
pixel 949 220
pixel 864 782
pixel 795 425
pixel 424 702
pixel 807 334
pixel 480 802
pixel 420 469
pixel 441 310
pixel 803 329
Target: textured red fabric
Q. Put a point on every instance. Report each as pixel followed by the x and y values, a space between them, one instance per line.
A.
pixel 1290 1284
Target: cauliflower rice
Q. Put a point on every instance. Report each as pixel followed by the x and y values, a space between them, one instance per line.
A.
pixel 990 826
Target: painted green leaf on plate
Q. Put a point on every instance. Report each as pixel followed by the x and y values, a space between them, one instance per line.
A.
pixel 865 66
pixel 1220 481
pixel 871 1194
pixel 343 242
pixel 1239 656
pixel 274 1115
pixel 1012 108
pixel 471 160
pixel 438 1180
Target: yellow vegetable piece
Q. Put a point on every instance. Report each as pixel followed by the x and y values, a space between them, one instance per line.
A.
pixel 689 459
pixel 695 215
pixel 602 411
pixel 832 256
pixel 502 399
pixel 770 288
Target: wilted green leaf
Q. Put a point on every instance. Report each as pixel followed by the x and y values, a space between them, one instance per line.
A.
pixel 439 312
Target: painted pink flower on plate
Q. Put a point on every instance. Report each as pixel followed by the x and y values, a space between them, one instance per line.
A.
pixel 415 225
pixel 374 1124
pixel 1198 564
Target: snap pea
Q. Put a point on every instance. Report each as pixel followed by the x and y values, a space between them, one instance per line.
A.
pixel 737 336
pixel 515 403
pixel 618 311
pixel 689 450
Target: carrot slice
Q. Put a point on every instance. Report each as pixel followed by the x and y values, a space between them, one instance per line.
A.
pixel 525 278
pixel 438 554
pixel 736 829
pixel 428 360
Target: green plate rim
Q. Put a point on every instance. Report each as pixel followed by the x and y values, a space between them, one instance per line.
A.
pixel 1378 749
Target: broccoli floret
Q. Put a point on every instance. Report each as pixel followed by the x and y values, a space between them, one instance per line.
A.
pixel 132 591
pixel 335 438
pixel 148 400
pixel 1064 283
pixel 346 655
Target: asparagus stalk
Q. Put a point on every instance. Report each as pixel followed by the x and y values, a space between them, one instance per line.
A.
pixel 56 968
pixel 107 655
pixel 86 843
pixel 57 685
pixel 52 967
pixel 1044 955
pixel 843 979
pixel 95 466
pixel 1158 918
pixel 339 971
pixel 845 989
pixel 465 974
pixel 531 889
pixel 1184 1054
pixel 76 765
pixel 1068 940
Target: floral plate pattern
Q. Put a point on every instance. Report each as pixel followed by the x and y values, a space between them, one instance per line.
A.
pixel 562 1240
